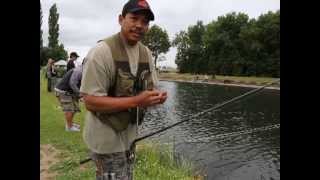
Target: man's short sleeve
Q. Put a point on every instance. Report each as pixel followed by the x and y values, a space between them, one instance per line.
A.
pixel 98 71
pixel 75 79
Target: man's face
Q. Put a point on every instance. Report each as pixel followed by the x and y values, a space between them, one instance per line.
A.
pixel 134 26
pixel 73 57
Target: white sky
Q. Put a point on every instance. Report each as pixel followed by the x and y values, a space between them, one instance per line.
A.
pixel 83 22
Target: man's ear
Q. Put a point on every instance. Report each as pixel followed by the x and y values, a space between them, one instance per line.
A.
pixel 120 19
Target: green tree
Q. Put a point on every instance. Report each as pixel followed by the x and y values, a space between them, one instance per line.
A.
pixel 54 53
pixel 44 55
pixel 197 64
pixel 252 48
pixel 58 53
pixel 222 43
pixel 181 41
pixel 53 27
pixel 269 25
pixel 41 40
pixel 157 40
pixel 231 45
pixel 261 45
pixel 190 48
pixel 55 50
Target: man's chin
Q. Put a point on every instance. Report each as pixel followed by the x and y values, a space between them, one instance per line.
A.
pixel 135 39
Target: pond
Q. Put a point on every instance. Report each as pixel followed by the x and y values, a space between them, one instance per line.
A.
pixel 240 141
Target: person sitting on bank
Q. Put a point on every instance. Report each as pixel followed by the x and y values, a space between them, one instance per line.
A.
pixel 67 92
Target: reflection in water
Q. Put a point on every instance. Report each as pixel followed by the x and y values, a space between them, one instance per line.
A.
pixel 247 156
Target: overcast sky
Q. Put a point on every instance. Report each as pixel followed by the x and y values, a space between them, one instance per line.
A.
pixel 83 22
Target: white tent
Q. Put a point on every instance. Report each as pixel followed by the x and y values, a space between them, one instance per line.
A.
pixel 60 67
pixel 60 63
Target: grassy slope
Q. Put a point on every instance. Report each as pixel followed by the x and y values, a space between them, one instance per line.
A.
pixel 70 144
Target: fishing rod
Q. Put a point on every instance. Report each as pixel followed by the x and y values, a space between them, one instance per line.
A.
pixel 215 107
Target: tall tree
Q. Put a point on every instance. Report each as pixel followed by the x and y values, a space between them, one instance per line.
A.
pixel 231 45
pixel 60 53
pixel 261 45
pixel 55 50
pixel 269 24
pixel 157 40
pixel 182 42
pixel 41 41
pixel 44 56
pixel 190 47
pixel 222 43
pixel 196 49
pixel 53 27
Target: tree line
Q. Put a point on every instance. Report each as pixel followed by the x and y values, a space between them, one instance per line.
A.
pixel 54 49
pixel 231 45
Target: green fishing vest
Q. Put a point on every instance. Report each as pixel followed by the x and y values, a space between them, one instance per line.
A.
pixel 126 84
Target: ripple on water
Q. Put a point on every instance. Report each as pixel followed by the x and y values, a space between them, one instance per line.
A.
pixel 253 155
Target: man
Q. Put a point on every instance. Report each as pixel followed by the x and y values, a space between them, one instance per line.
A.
pixel 117 86
pixel 50 74
pixel 71 62
pixel 68 94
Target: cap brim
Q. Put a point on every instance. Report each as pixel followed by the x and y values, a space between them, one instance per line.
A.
pixel 150 13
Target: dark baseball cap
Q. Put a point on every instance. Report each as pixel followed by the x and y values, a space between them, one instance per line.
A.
pixel 137 5
pixel 74 54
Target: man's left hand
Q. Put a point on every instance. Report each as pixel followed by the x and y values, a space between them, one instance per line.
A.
pixel 163 97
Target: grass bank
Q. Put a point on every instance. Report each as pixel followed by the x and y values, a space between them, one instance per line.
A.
pixel 241 80
pixel 153 161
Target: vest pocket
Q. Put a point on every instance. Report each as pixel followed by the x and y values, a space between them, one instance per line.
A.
pixel 124 84
pixel 117 121
pixel 147 81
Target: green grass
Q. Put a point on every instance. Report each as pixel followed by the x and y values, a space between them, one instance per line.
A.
pixel 157 162
pixel 52 131
pixel 153 161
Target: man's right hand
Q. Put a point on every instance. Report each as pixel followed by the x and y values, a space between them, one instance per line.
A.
pixel 149 98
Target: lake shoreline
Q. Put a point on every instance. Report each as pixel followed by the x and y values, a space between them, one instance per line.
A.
pixel 220 83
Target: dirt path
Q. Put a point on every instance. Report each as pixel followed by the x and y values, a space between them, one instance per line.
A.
pixel 48 157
